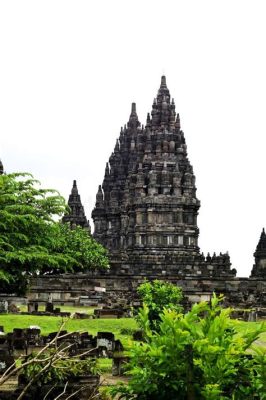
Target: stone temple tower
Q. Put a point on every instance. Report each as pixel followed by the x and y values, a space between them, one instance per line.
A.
pixel 259 269
pixel 76 215
pixel 146 209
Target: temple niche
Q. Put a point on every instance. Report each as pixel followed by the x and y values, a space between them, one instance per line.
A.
pixel 76 215
pixel 146 208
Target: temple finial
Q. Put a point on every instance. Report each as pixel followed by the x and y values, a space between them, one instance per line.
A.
pixel 133 119
pixel 74 190
pixel 177 122
pixel 163 81
pixel 133 108
pixel 162 108
pixel 107 170
pixel 117 146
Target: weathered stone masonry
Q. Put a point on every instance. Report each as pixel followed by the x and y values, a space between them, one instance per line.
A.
pixel 146 215
pixel 146 209
pixel 76 215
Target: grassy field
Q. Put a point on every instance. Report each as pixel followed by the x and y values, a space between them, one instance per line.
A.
pixel 242 327
pixel 51 324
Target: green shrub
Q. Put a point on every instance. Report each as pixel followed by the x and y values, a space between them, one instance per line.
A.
pixel 158 295
pixel 127 331
pixel 198 355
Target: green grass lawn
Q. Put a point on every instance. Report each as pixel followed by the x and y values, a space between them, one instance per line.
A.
pixel 51 324
pixel 242 327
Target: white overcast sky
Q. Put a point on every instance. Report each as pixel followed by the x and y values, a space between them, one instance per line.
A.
pixel 69 71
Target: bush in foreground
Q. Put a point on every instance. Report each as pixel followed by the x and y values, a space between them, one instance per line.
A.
pixel 195 356
pixel 158 295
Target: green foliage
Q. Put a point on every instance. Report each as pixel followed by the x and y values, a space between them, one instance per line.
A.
pixel 30 239
pixel 26 219
pixel 197 355
pixel 81 247
pixel 158 295
pixel 128 331
pixel 50 368
pixel 104 365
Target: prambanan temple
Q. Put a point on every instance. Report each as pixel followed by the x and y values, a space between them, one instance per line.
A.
pixel 146 209
pixel 146 215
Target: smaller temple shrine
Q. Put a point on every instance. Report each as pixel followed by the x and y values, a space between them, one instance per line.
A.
pixel 259 268
pixel 76 215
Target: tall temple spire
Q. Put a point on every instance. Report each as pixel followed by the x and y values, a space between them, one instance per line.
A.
pixel 133 119
pixel 163 90
pixel 163 81
pixel 146 208
pixel 74 190
pixel 76 215
pixel 148 163
pixel 163 111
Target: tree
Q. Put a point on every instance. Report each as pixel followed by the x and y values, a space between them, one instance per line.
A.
pixel 31 241
pixel 197 355
pixel 158 295
pixel 87 253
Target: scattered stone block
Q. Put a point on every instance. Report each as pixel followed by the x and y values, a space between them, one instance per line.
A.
pixel 6 360
pixel 105 340
pixel 49 307
pixel 3 307
pixel 119 364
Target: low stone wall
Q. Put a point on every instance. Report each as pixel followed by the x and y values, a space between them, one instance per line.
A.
pixel 99 288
